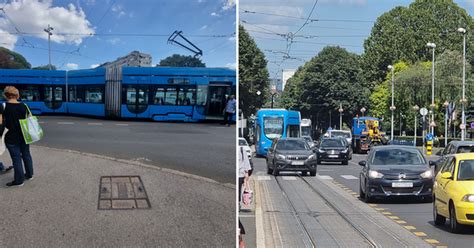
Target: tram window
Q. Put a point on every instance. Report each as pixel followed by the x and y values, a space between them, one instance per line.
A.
pixel 58 93
pixel 159 96
pixel 76 93
pixel 190 96
pixel 131 95
pixel 202 95
pixel 30 93
pixel 170 97
pixel 48 94
pixel 94 94
pixel 142 96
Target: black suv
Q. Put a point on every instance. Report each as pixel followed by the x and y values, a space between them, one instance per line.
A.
pixel 333 150
pixel 453 147
pixel 291 154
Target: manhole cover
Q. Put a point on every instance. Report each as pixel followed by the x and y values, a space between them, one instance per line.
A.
pixel 122 192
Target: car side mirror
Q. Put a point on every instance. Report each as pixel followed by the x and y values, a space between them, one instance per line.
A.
pixel 439 153
pixel 270 149
pixel 362 163
pixel 446 175
pixel 432 163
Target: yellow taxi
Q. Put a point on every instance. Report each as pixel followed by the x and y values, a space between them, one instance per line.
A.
pixel 454 192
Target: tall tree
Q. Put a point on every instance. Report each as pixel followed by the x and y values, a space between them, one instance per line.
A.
pixel 12 60
pixel 330 79
pixel 253 74
pixel 177 60
pixel 402 33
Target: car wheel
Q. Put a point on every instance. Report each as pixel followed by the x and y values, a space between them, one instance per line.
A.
pixel 453 222
pixel 318 161
pixel 276 172
pixel 367 198
pixel 345 162
pixel 361 193
pixel 269 171
pixel 438 219
pixel 312 173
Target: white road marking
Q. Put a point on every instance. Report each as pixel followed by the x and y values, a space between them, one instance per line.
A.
pixel 263 178
pixel 288 178
pixel 66 123
pixel 350 177
pixel 94 124
pixel 121 124
pixel 246 216
pixel 324 177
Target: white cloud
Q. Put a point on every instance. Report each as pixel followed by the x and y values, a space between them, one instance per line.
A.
pixel 72 66
pixel 214 14
pixel 113 41
pixel 94 65
pixel 231 65
pixel 355 2
pixel 277 9
pixel 118 9
pixel 203 27
pixel 32 16
pixel 7 40
pixel 228 4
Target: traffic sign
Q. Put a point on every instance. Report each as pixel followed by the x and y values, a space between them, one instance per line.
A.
pixel 472 124
pixel 423 111
pixel 462 126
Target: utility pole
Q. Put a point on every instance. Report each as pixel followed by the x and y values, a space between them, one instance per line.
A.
pixel 48 30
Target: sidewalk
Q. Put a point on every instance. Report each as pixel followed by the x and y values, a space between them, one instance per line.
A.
pixel 58 208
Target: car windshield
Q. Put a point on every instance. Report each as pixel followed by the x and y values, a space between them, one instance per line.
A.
pixel 340 134
pixel 332 143
pixel 242 142
pixel 465 149
pixel 308 139
pixel 306 131
pixel 292 145
pixel 398 157
pixel 273 127
pixel 466 170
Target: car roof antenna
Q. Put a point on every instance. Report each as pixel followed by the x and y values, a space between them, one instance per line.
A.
pixel 190 47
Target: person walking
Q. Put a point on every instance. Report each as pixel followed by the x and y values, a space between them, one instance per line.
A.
pixel 14 141
pixel 229 109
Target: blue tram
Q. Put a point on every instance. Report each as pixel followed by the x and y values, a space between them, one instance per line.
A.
pixel 157 93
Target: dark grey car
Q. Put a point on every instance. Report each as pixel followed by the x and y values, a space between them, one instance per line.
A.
pixel 395 171
pixel 291 154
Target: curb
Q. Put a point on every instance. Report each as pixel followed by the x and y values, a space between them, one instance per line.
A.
pixel 131 162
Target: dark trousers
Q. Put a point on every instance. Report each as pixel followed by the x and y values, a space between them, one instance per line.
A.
pixel 227 117
pixel 241 181
pixel 18 153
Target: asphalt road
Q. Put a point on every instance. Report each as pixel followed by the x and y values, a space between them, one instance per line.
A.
pixel 203 149
pixel 413 211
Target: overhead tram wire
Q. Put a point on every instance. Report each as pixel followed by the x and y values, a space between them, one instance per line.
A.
pixel 302 18
pixel 14 25
pixel 129 34
pixel 307 19
pixel 309 26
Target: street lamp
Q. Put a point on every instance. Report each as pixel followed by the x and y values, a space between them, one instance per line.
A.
pixel 392 107
pixel 362 110
pixel 433 46
pixel 48 30
pixel 273 94
pixel 463 99
pixel 340 116
pixel 415 109
pixel 446 105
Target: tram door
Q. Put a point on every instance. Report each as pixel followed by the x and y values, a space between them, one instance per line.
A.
pixel 136 98
pixel 217 96
pixel 53 96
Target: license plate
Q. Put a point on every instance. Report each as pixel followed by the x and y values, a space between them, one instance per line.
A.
pixel 333 156
pixel 402 185
pixel 297 163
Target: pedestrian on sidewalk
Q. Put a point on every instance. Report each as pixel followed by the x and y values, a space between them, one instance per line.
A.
pixel 229 109
pixel 14 141
pixel 244 168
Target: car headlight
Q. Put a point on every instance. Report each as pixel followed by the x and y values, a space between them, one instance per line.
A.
pixel 375 174
pixel 279 156
pixel 427 174
pixel 468 198
pixel 312 156
pixel 345 150
pixel 321 151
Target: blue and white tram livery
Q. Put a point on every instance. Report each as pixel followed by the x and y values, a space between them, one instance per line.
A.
pixel 157 93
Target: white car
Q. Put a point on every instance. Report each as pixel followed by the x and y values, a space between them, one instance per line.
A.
pixel 243 143
pixel 341 133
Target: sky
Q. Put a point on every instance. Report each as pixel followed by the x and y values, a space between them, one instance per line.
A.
pixel 87 33
pixel 346 23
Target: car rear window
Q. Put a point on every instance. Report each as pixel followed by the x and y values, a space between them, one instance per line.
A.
pixel 397 157
pixel 332 143
pixel 242 142
pixel 292 145
pixel 465 149
pixel 466 170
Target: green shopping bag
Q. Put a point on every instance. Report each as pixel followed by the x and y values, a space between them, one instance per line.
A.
pixel 30 128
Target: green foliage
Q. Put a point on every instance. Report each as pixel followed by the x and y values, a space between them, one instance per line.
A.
pixel 44 67
pixel 253 74
pixel 12 60
pixel 328 80
pixel 177 60
pixel 402 33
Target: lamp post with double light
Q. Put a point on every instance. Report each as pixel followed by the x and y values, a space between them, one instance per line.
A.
pixel 415 109
pixel 446 105
pixel 340 116
pixel 432 46
pixel 463 98
pixel 392 107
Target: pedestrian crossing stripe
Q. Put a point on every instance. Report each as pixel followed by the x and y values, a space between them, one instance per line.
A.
pixel 349 177
pixel 410 227
pixel 289 178
pixel 420 234
pixel 432 241
pixel 324 177
pixel 401 221
pixel 263 178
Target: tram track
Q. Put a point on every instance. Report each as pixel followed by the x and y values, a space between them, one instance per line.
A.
pixel 305 235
